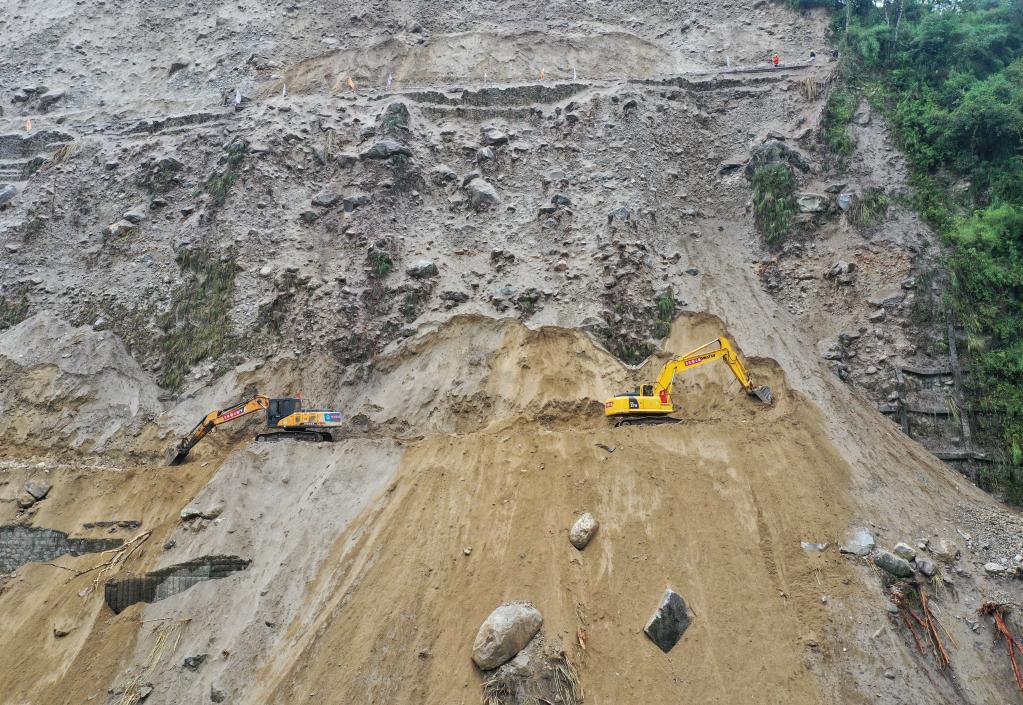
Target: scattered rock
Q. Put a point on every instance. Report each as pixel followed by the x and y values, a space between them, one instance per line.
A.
pixel 582 530
pixel 63 627
pixel 774 152
pixel 422 268
pixel 50 98
pixel 457 297
pixel 841 267
pixel 904 550
pixel 926 567
pixel 899 567
pixel 845 201
pixel 993 568
pixel 217 695
pixel 815 547
pixel 888 298
pixel 191 512
pixel 493 136
pixel 443 174
pixel 812 203
pixel 38 490
pixel 355 200
pixel 482 194
pixel 504 633
pixel 308 216
pixel 485 154
pixel 25 500
pixel 946 551
pixel 144 692
pixel 561 200
pixel 192 663
pixel 858 542
pixel 214 510
pixel 385 149
pixel 135 215
pixel 877 316
pixel 669 622
pixel 177 66
pixel 120 228
pixel 326 198
pixel 7 192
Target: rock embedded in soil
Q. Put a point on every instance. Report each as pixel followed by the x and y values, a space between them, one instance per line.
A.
pixel 899 567
pixel 504 633
pixel 384 149
pixel 482 194
pixel 905 551
pixel 993 568
pixel 38 490
pixel 858 542
pixel 491 136
pixel 422 269
pixel 7 192
pixel 583 530
pixel 946 551
pixel 925 567
pixel 669 622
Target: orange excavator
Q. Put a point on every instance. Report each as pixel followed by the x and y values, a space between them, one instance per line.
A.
pixel 285 418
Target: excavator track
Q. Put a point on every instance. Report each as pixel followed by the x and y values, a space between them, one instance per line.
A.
pixel 308 436
pixel 646 421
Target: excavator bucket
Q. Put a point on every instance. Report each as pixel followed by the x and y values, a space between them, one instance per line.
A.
pixel 763 393
pixel 174 455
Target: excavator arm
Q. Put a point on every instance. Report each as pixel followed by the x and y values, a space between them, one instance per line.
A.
pixel 706 353
pixel 175 454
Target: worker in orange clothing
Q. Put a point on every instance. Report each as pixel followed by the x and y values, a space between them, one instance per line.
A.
pixel 776 59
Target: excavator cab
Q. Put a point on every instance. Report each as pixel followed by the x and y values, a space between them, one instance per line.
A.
pixel 280 408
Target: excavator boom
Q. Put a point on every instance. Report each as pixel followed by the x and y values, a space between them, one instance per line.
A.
pixel 655 399
pixel 284 415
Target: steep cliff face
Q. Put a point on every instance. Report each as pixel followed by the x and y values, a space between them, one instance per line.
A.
pixel 454 223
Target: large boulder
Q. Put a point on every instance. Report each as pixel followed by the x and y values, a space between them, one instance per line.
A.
pixel 899 567
pixel 583 530
pixel 7 192
pixel 384 149
pixel 504 633
pixel 774 152
pixel 669 622
pixel 858 542
pixel 482 194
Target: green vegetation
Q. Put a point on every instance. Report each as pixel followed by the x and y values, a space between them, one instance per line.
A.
pixel 218 184
pixel 949 76
pixel 13 308
pixel 380 264
pixel 869 210
pixel 774 203
pixel 838 113
pixel 197 324
pixel 667 307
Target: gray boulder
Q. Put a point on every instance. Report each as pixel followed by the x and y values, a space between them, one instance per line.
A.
pixel 583 530
pixel 812 203
pixel 355 200
pixel 888 298
pixel 38 490
pixel 899 567
pixel 422 268
pixel 504 633
pixel 443 174
pixel 904 550
pixel 775 152
pixel 993 568
pixel 384 149
pixel 945 550
pixel 482 194
pixel 669 622
pixel 326 198
pixel 7 193
pixel 858 542
pixel 926 567
pixel 491 136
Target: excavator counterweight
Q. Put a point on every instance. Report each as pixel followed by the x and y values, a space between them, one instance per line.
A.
pixel 284 416
pixel 651 403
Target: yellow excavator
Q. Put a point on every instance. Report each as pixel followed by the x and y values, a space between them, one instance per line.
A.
pixel 651 403
pixel 284 416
